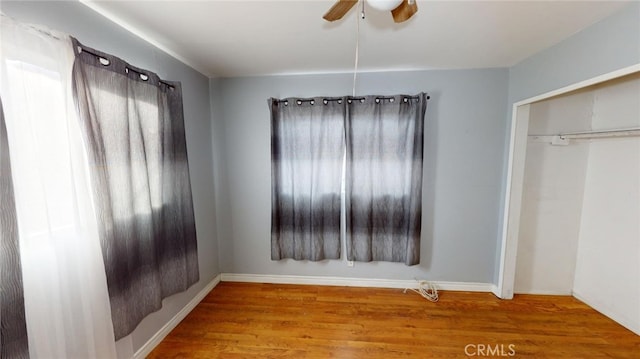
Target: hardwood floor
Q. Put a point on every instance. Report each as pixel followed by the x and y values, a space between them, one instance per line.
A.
pixel 248 320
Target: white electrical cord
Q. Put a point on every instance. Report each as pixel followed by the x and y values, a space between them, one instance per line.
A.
pixel 426 289
pixel 355 67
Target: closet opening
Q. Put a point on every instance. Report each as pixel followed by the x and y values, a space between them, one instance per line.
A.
pixel 572 206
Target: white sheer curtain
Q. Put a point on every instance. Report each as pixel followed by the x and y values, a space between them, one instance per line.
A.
pixel 66 300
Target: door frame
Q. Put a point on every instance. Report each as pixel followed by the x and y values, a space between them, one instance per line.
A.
pixel 515 177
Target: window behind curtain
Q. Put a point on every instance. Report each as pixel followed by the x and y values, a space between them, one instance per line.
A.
pixel 134 131
pixel 383 177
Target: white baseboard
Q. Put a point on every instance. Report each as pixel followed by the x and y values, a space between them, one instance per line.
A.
pixel 171 324
pixel 353 282
pixel 543 292
pixel 496 291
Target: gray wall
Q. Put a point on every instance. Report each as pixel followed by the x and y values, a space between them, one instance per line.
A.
pixel 100 33
pixel 464 139
pixel 220 161
pixel 227 124
pixel 608 45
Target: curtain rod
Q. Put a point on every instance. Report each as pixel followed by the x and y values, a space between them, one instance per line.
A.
pixel 41 29
pixel 127 68
pixel 326 100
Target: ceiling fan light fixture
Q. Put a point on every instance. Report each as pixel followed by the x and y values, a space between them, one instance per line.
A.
pixel 401 10
pixel 384 5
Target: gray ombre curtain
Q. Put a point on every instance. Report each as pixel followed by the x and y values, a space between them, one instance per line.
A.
pixel 384 178
pixel 134 131
pixel 13 328
pixel 307 149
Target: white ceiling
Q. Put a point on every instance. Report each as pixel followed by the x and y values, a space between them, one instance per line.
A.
pixel 259 37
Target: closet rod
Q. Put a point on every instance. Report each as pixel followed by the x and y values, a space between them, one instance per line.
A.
pixel 629 132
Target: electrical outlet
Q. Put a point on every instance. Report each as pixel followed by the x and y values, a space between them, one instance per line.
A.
pixel 350 263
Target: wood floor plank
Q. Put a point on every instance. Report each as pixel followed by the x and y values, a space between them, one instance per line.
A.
pixel 249 320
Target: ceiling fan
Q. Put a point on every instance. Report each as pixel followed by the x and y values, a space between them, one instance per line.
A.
pixel 401 10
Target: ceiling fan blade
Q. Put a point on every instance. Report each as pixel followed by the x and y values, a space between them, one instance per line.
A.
pixel 404 11
pixel 339 9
